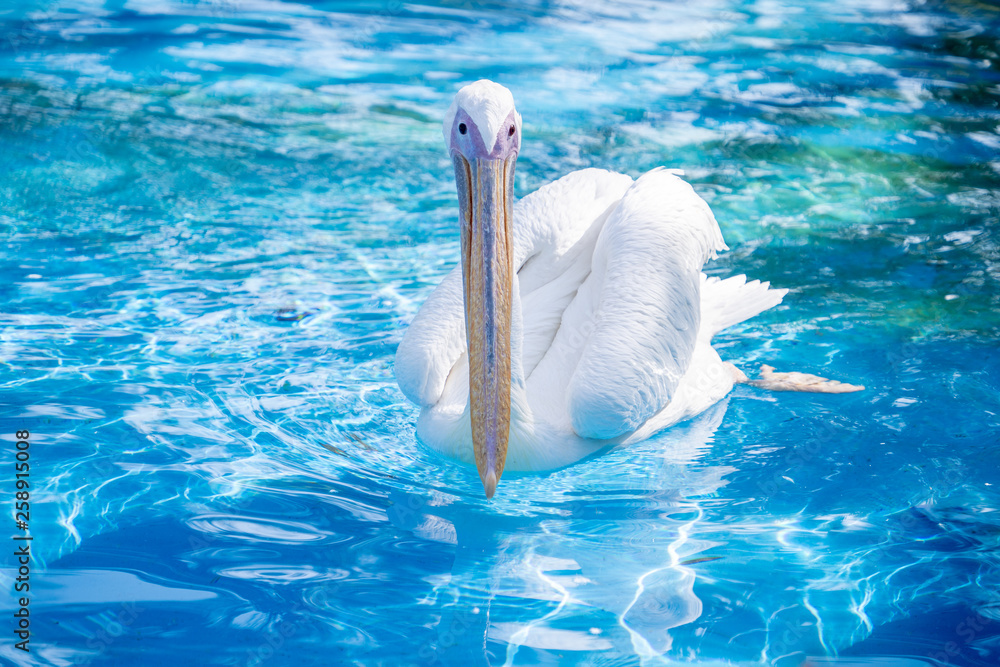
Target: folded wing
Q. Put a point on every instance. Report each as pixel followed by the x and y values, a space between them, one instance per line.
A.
pixel 640 306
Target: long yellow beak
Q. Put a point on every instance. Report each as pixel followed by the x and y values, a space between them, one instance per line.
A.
pixel 485 198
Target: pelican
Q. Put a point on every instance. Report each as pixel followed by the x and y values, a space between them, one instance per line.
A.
pixel 579 316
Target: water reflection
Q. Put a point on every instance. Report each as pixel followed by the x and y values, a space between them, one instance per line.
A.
pixel 566 578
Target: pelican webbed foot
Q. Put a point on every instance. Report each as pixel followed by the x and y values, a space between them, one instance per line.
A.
pixel 795 381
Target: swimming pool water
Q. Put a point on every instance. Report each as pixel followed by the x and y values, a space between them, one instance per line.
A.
pixel 219 216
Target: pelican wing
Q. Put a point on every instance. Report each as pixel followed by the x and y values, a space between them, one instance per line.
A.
pixel 639 309
pixel 433 343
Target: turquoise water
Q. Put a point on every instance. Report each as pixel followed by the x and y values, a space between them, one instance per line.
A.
pixel 218 218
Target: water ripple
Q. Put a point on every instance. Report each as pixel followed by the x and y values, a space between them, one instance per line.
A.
pixel 255 529
pixel 220 216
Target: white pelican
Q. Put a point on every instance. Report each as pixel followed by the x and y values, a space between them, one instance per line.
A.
pixel 581 310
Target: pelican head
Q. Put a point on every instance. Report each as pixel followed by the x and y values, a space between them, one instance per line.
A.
pixel 483 133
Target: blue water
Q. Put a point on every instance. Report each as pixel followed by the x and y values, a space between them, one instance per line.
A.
pixel 218 218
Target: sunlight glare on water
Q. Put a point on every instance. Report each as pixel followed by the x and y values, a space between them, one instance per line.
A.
pixel 219 217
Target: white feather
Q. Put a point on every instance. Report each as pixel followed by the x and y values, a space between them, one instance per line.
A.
pixel 612 322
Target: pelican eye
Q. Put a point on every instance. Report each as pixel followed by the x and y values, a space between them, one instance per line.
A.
pixel 510 133
pixel 462 129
